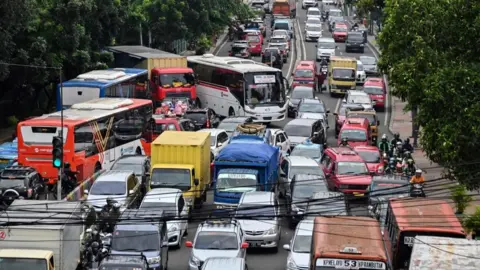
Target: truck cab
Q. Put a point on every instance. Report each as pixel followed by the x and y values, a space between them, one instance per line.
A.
pixel 168 83
pixel 27 259
pixel 342 73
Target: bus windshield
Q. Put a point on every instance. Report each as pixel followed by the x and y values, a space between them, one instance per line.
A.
pixel 264 88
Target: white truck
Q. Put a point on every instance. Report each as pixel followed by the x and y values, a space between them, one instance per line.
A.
pixel 434 253
pixel 41 235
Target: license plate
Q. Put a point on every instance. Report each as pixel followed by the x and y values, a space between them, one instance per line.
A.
pixel 254 243
pixel 358 194
pixel 238 54
pixel 324 70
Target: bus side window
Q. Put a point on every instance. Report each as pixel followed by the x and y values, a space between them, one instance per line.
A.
pixel 84 140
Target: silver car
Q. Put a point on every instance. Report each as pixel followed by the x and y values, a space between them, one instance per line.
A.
pixel 221 263
pixel 325 48
pixel 293 165
pixel 313 33
pixel 262 231
pixel 299 247
pixel 360 98
pixel 216 239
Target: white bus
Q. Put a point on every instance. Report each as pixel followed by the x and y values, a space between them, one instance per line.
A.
pixel 240 87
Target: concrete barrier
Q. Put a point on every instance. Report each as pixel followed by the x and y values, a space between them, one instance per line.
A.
pixel 78 193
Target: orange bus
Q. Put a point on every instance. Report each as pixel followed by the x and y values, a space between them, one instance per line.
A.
pixel 347 243
pixel 95 134
pixel 408 217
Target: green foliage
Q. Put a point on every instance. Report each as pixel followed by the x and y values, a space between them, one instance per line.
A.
pixel 430 53
pixel 472 222
pixel 68 36
pixel 460 197
pixel 364 7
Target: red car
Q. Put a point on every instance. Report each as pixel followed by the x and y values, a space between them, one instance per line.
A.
pixel 356 131
pixel 305 75
pixel 345 171
pixel 377 90
pixel 163 123
pixel 255 40
pixel 340 115
pixel 371 156
pixel 340 32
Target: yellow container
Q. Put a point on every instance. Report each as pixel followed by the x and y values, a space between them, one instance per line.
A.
pixel 341 85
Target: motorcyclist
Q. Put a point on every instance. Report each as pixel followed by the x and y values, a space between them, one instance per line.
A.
pixel 344 142
pixel 398 151
pixel 324 63
pixel 396 138
pixel 407 146
pixel 406 156
pixel 107 207
pixel 383 145
pixel 391 166
pixel 417 178
pixel 354 27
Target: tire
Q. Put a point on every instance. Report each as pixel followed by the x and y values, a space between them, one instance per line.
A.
pixel 138 152
pixel 363 50
pixel 231 112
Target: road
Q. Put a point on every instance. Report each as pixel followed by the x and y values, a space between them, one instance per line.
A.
pixel 263 259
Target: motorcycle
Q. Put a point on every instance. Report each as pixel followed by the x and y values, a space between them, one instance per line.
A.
pixel 391 168
pixel 416 190
pixel 322 76
pixel 409 168
pixel 108 217
pixel 105 244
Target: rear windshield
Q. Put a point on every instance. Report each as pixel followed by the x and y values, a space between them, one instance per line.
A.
pixel 283 26
pixel 252 38
pixel 196 116
pixel 41 135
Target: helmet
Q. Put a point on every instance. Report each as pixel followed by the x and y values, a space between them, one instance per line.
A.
pixel 110 201
pixel 384 136
pixel 66 165
pixel 418 171
pixel 407 153
pixel 397 135
pixel 410 161
pixel 116 205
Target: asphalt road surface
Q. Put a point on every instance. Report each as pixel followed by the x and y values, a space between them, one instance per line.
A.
pixel 265 259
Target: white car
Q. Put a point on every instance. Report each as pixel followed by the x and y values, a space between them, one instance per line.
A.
pixel 299 247
pixel 325 48
pixel 315 22
pixel 314 12
pixel 312 32
pixel 309 3
pixel 171 201
pixel 361 75
pixel 280 139
pixel 359 98
pixel 218 139
pixel 328 2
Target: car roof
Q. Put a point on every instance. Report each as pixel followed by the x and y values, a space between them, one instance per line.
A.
pixel 367 57
pixel 280 36
pixel 302 161
pixel 302 88
pixel 304 227
pixel 326 39
pixel 313 19
pixel 357 93
pixel 221 263
pixel 306 63
pixel 301 122
pixel 312 178
pixel 345 154
pixel 213 131
pixel 354 123
pixel 308 145
pixel 366 148
pixel 114 176
pixel 211 226
pixel 312 8
pixel 131 158
pixel 335 9
pixel 168 195
pixel 258 198
pixel 312 100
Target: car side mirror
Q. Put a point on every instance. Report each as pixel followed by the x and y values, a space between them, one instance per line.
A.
pixel 196 181
pixel 130 191
pixel 188 244
pixel 286 247
pixel 85 191
pixel 282 174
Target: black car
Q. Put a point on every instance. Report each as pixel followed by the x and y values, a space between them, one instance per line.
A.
pixel 139 164
pixel 230 124
pixel 302 188
pixel 299 93
pixel 20 182
pixel 355 42
pixel 202 118
pixel 124 261
pixel 273 57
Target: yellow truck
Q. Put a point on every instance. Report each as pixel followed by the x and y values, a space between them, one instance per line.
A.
pixel 341 75
pixel 31 258
pixel 182 160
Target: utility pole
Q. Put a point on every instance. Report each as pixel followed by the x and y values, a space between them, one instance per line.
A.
pixel 141 35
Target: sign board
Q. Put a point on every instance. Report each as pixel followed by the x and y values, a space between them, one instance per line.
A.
pixel 351 264
pixel 236 176
pixel 408 240
pixel 264 78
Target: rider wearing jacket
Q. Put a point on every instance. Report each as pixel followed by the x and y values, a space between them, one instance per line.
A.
pixel 383 145
pixel 395 140
pixel 417 178
pixel 407 146
pixel 354 27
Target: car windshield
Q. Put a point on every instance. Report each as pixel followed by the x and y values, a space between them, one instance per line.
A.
pixel 23 264
pixel 326 45
pixel 351 168
pixel 310 152
pixel 303 73
pixel 108 266
pixel 213 140
pixel 307 189
pixel 314 28
pixel 338 18
pixel 261 211
pixel 370 156
pixel 10 183
pixel 136 241
pixel 196 116
pixel 125 166
pixel 301 93
pixel 280 46
pixel 353 135
pixel 283 26
pixel 314 21
pixel 168 208
pixel 108 188
pixel 216 240
pixel 357 99
pixel 280 33
pixel 389 189
pixel 311 108
pixel 232 182
pixel 340 73
pixel 373 90
pixel 302 243
pixel 177 79
pixel 369 117
pixel 315 170
pixel 159 128
pixel 360 67
pixel 355 36
pixel 335 13
pixel 238 49
pixel 299 131
pixel 253 38
pixel 313 12
pixel 368 60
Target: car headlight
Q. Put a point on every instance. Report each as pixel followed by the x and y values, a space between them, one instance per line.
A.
pixel 291 264
pixel 271 231
pixel 380 169
pixel 173 228
pixel 153 260
pixel 189 200
pixel 194 260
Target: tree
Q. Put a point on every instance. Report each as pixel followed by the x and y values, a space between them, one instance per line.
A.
pixel 430 54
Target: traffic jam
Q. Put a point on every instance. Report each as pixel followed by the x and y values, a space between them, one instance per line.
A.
pixel 271 153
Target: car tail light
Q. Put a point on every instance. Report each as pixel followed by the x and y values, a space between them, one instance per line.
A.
pixel 282 51
pixel 208 123
pixel 29 193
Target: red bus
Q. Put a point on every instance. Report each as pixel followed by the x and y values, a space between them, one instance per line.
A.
pixel 408 217
pixel 95 134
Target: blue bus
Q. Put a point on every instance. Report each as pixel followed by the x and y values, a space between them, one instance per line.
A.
pixel 115 82
pixel 8 154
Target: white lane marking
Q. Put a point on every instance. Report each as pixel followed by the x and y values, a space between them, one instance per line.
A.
pixel 338 105
pixel 302 42
pixel 221 46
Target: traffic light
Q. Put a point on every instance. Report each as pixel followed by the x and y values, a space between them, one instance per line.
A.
pixel 57 153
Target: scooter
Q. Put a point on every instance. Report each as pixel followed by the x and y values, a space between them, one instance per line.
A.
pixel 416 190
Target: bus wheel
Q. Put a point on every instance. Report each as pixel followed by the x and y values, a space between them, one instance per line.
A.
pixel 98 167
pixel 198 103
pixel 138 152
pixel 231 112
